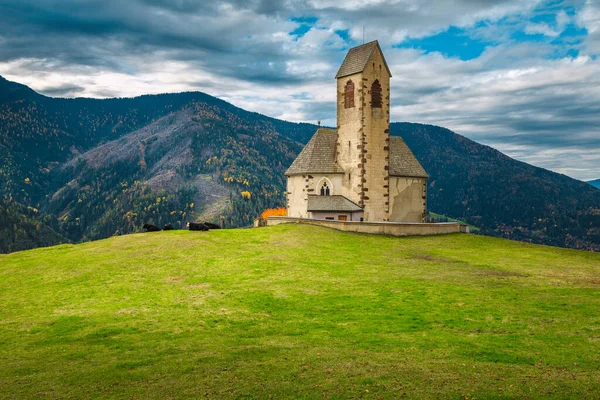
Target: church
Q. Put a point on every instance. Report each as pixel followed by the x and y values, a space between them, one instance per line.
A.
pixel 358 172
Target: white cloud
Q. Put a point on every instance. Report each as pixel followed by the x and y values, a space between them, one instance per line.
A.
pixel 562 20
pixel 541 29
pixel 539 109
pixel 589 18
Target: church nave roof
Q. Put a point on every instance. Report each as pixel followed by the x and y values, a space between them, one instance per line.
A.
pixel 318 156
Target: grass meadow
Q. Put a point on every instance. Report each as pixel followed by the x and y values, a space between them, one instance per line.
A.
pixel 299 312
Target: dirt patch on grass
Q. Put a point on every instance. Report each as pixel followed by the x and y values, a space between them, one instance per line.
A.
pixel 173 279
pixel 431 258
pixel 498 272
pixel 588 281
pixel 201 285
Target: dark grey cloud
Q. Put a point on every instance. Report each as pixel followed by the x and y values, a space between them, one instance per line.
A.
pixel 514 96
pixel 99 33
pixel 66 90
pixel 233 36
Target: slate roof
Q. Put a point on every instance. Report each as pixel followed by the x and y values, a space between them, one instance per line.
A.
pixel 331 203
pixel 318 156
pixel 402 161
pixel 357 58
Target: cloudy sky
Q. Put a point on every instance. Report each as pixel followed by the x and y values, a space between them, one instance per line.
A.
pixel 520 75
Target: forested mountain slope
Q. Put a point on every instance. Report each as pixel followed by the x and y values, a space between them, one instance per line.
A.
pixel 503 196
pixel 94 168
pixel 38 133
pixel 202 162
pixel 216 152
pixel 23 228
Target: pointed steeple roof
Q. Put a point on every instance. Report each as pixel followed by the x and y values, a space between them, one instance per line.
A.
pixel 357 58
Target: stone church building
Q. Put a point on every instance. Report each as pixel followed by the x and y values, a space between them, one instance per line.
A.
pixel 358 172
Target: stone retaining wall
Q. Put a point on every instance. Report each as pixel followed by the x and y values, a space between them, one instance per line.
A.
pixel 381 228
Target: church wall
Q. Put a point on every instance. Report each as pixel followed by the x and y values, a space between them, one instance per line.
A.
pixel 376 143
pixel 408 199
pixel 335 182
pixel 299 187
pixel 350 216
pixel 297 199
pixel 350 137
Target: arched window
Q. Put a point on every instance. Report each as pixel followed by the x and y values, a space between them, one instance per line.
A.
pixel 349 94
pixel 325 189
pixel 376 94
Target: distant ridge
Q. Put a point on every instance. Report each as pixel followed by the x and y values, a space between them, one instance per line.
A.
pixel 12 91
pixel 95 168
pixel 502 196
pixel 595 183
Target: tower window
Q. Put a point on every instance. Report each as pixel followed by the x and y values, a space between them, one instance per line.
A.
pixel 349 94
pixel 376 94
pixel 325 189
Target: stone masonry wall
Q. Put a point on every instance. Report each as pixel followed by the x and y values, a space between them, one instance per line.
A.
pixel 376 128
pixel 382 228
pixel 350 138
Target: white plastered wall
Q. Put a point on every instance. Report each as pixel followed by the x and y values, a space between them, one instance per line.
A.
pixel 407 199
pixel 299 187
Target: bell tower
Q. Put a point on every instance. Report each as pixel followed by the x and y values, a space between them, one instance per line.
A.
pixel 363 126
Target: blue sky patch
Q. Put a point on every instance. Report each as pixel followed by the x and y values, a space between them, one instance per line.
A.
pixel 344 34
pixel 455 42
pixel 306 24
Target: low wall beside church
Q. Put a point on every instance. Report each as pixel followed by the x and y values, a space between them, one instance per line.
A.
pixel 381 228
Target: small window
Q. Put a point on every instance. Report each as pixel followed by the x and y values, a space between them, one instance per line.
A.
pixel 342 218
pixel 349 94
pixel 376 94
pixel 329 218
pixel 325 189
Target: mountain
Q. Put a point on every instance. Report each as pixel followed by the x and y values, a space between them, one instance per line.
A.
pixel 23 228
pixel 39 133
pixel 299 312
pixel 191 164
pixel 500 195
pixel 96 168
pixel 595 183
pixel 103 167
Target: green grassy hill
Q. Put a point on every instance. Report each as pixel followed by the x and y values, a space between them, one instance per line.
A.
pixel 298 311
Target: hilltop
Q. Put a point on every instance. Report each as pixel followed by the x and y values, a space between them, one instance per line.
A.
pixel 299 312
pixel 95 168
